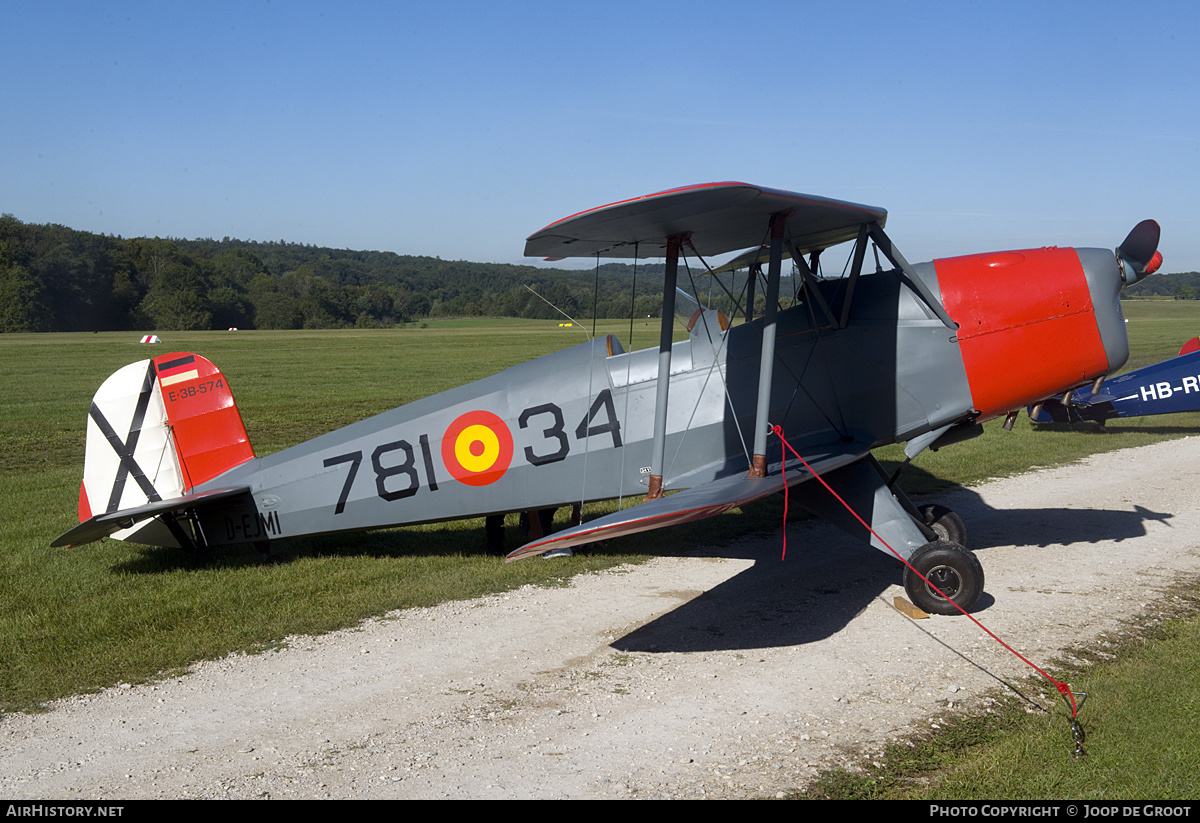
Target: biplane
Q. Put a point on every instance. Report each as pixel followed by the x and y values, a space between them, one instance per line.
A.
pixel 1169 387
pixel 919 354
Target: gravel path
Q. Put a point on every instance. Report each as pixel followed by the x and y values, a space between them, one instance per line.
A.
pixel 711 675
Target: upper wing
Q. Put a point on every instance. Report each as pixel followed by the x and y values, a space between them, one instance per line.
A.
pixel 695 503
pixel 719 217
pixel 758 254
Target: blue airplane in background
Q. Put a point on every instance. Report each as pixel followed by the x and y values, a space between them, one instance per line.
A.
pixel 1168 387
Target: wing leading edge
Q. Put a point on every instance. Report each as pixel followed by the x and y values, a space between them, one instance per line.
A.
pixel 696 503
pixel 718 217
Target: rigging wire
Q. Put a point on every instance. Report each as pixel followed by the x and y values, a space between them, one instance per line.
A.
pixel 591 376
pixel 628 372
pixel 1064 689
pixel 716 366
pixel 736 307
pixel 596 296
pixel 574 322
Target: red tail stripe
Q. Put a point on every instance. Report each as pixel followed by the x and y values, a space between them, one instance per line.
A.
pixel 206 426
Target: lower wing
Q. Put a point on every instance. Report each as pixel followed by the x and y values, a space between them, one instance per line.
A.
pixel 696 503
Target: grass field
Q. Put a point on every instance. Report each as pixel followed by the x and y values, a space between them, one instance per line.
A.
pixel 1142 734
pixel 80 619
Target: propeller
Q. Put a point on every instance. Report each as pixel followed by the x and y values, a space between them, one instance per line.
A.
pixel 1138 253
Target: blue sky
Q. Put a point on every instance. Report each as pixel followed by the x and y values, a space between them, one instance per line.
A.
pixel 457 129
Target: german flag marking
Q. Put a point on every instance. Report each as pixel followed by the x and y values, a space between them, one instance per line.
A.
pixel 179 377
pixel 178 370
pixel 477 448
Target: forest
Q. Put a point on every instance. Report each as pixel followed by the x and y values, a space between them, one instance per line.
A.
pixel 54 278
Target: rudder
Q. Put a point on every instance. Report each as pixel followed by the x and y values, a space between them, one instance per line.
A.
pixel 157 429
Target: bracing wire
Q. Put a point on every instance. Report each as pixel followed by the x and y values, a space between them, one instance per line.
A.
pixel 574 322
pixel 628 371
pixel 717 352
pixel 596 297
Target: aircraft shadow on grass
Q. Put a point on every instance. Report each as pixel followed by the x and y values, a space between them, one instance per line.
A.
pixel 828 578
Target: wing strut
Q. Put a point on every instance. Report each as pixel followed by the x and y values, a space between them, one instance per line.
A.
pixel 658 455
pixel 884 243
pixel 766 364
pixel 810 282
pixel 860 251
pixel 752 276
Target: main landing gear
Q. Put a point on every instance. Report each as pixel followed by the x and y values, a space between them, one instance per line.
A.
pixel 946 563
pixel 932 537
pixel 945 523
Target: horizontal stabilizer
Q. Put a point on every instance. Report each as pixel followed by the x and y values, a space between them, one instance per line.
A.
pixel 102 525
pixel 696 503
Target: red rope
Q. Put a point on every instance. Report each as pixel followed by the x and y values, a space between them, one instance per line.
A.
pixel 1063 688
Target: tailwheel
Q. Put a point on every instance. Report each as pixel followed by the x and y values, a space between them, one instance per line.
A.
pixel 952 569
pixel 946 523
pixel 264 550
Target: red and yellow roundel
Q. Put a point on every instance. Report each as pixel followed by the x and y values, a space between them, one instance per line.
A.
pixel 477 448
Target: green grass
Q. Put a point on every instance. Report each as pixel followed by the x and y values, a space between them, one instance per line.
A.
pixel 1142 734
pixel 77 619
pixel 1142 724
pixel 1160 327
pixel 73 620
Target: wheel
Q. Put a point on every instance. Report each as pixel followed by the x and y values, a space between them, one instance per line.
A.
pixel 946 523
pixel 950 567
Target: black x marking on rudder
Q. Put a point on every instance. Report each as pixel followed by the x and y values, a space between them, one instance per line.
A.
pixel 125 450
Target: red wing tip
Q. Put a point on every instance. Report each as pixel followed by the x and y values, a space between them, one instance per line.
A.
pixel 676 190
pixel 521 554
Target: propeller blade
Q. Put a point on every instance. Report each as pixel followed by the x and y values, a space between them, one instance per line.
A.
pixel 1138 255
pixel 1141 244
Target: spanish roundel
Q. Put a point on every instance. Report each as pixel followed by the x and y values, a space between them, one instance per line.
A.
pixel 477 448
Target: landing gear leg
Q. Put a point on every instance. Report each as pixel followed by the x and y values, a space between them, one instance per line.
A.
pixel 946 524
pixel 493 535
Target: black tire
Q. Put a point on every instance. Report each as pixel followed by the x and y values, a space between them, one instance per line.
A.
pixel 948 526
pixel 950 567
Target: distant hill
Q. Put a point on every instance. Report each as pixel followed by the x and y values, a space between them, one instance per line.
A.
pixel 1181 286
pixel 54 278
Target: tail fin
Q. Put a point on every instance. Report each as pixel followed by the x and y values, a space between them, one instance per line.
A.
pixel 156 430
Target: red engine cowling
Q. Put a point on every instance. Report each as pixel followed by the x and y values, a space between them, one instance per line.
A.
pixel 1027 325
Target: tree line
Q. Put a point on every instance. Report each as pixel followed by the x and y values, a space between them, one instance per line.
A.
pixel 54 278
pixel 1180 286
